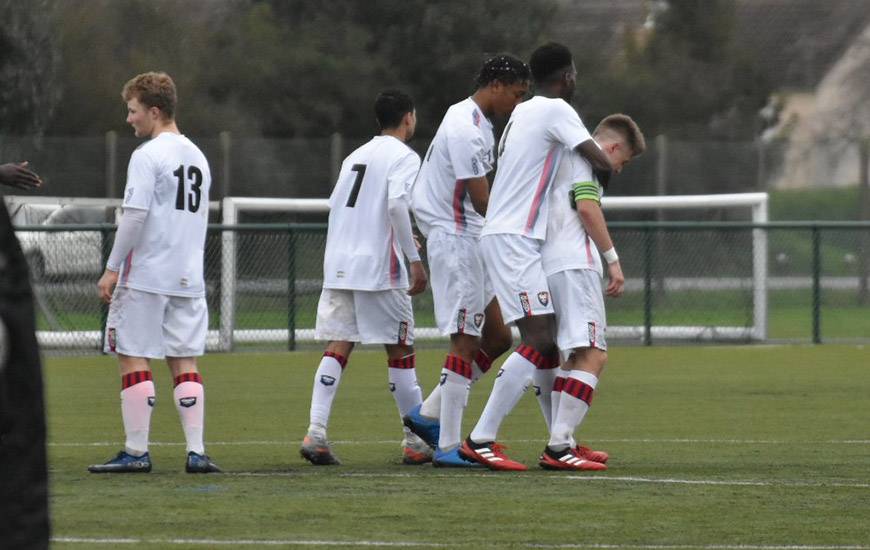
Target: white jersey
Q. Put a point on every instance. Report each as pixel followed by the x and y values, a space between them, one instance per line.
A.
pixel 538 132
pixel 361 251
pixel 462 149
pixel 568 246
pixel 169 177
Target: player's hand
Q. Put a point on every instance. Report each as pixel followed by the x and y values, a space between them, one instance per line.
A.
pixel 106 285
pixel 19 176
pixel 418 278
pixel 617 280
pixel 417 243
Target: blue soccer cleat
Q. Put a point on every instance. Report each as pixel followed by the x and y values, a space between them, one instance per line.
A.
pixel 200 464
pixel 123 464
pixel 428 429
pixel 452 459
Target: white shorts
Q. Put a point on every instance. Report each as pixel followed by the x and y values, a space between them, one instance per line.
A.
pixel 366 316
pixel 460 287
pixel 579 301
pixel 145 324
pixel 513 264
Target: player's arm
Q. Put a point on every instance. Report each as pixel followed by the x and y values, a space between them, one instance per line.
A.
pixel 467 151
pixel 19 176
pixel 588 201
pixel 399 181
pixel 595 156
pixel 128 234
pixel 478 192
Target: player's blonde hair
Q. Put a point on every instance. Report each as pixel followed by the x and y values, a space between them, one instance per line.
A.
pixel 153 89
pixel 623 127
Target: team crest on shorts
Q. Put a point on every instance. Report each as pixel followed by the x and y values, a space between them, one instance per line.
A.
pixel 187 402
pixel 403 332
pixel 544 297
pixel 327 380
pixel 592 333
pixel 460 320
pixel 478 319
pixel 113 342
pixel 524 303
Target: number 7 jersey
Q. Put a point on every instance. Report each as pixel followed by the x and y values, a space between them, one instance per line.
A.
pixel 169 177
pixel 362 253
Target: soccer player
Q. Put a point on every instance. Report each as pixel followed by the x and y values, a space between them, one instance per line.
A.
pixel 23 471
pixel 449 200
pixel 576 231
pixel 153 280
pixel 540 131
pixel 366 292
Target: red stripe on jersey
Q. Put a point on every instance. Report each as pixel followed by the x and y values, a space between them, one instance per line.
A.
pixel 459 206
pixel 458 365
pixel 133 378
pixel 128 265
pixel 188 377
pixel 578 389
pixel 342 360
pixel 543 184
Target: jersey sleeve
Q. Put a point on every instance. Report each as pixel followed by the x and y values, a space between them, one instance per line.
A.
pixel 401 176
pixel 468 152
pixel 566 127
pixel 141 178
pixel 583 183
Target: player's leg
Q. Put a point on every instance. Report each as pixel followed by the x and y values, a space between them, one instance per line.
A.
pixel 495 340
pixel 336 323
pixel 134 332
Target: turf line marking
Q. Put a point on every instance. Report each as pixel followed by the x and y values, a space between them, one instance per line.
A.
pixel 291 442
pixel 291 542
pixel 245 542
pixel 621 479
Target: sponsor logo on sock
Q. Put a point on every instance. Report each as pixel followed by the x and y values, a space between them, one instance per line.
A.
pixel 403 332
pixel 460 320
pixel 327 380
pixel 525 304
pixel 151 400
pixel 392 387
pixel 443 379
pixel 544 297
pixel 500 372
pixel 592 331
pixel 478 319
pixel 187 402
pixel 537 390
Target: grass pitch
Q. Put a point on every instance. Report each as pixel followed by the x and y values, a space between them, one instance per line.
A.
pixel 711 447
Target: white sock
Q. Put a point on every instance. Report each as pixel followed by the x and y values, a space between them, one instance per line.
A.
pixel 404 385
pixel 556 394
pixel 326 381
pixel 543 380
pixel 189 397
pixel 454 390
pixel 573 406
pixel 431 407
pixel 510 383
pixel 137 402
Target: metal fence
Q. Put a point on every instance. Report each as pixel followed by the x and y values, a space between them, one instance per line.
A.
pixel 679 275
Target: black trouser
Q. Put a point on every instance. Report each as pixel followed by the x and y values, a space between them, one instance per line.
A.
pixel 24 521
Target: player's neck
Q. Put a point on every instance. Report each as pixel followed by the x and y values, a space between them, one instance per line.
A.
pixel 168 126
pixel 398 133
pixel 483 102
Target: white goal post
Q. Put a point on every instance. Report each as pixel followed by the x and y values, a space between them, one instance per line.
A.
pixel 757 202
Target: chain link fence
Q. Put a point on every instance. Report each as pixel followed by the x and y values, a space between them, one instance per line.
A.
pixel 684 282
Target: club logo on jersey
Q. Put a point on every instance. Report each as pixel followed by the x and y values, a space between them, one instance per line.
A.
pixel 525 304
pixel 478 319
pixel 592 333
pixel 403 332
pixel 443 379
pixel 151 400
pixel 327 380
pixel 544 297
pixel 187 402
pixel 475 166
pixel 460 320
pixel 111 336
pixel 392 387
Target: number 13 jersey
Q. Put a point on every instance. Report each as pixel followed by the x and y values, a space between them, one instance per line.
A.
pixel 169 177
pixel 361 251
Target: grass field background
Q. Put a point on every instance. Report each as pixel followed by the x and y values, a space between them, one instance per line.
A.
pixel 716 447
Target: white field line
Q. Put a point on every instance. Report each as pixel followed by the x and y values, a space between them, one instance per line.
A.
pixel 300 542
pixel 291 442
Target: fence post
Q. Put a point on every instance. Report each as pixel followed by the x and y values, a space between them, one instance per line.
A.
pixel 817 291
pixel 291 289
pixel 226 149
pixel 864 215
pixel 649 246
pixel 111 164
pixel 106 250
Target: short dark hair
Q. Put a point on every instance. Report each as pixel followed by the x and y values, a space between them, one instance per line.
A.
pixel 503 68
pixel 391 106
pixel 548 60
pixel 624 126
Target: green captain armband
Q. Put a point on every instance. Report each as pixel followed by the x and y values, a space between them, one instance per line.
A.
pixel 587 190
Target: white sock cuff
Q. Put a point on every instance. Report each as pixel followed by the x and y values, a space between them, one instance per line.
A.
pixel 586 377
